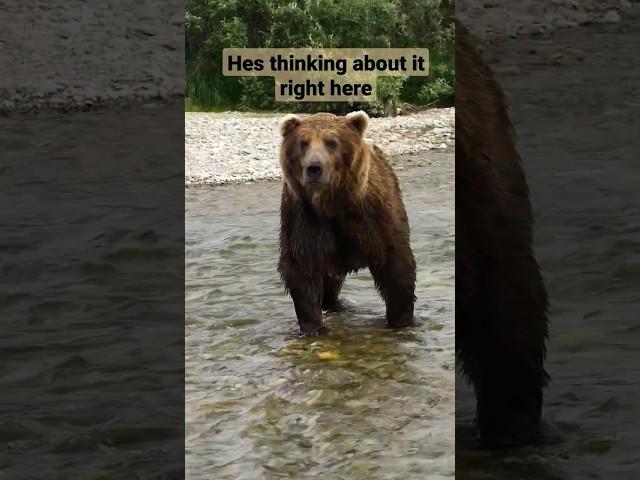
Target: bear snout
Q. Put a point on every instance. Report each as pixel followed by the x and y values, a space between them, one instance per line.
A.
pixel 315 169
pixel 313 173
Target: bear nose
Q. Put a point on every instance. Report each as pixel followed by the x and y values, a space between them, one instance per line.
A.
pixel 314 172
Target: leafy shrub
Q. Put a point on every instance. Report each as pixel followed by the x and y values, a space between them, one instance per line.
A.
pixel 211 25
pixel 438 91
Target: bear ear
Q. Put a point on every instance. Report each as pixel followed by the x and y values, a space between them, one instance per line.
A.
pixel 288 123
pixel 358 120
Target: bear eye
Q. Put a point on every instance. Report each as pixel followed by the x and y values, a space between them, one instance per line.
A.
pixel 304 144
pixel 330 143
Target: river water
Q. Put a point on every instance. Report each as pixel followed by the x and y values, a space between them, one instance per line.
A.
pixel 91 283
pixel 363 402
pixel 577 128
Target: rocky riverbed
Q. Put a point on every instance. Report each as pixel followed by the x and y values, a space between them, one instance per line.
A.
pixel 235 147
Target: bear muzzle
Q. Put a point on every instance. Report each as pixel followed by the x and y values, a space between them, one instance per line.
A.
pixel 315 172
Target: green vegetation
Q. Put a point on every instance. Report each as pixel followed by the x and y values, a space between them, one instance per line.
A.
pixel 212 25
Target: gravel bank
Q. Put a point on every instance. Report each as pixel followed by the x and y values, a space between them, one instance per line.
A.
pixel 493 20
pixel 235 147
pixel 76 55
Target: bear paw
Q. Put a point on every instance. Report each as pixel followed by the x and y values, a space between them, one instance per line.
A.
pixel 401 321
pixel 313 330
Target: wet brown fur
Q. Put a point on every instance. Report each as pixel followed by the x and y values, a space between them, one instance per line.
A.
pixel 358 220
pixel 501 302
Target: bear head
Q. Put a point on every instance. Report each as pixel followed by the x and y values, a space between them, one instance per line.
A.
pixel 324 154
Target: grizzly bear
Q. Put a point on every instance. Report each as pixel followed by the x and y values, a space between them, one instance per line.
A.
pixel 501 302
pixel 341 210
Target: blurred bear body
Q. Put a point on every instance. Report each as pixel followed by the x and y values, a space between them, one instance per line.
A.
pixel 341 210
pixel 501 302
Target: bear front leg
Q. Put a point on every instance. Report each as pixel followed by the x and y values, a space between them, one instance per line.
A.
pixel 500 336
pixel 508 396
pixel 395 279
pixel 306 292
pixel 331 286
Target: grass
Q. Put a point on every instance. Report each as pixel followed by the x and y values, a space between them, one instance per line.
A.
pixel 192 105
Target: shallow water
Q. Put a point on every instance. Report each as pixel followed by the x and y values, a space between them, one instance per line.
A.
pixel 91 282
pixel 583 172
pixel 363 402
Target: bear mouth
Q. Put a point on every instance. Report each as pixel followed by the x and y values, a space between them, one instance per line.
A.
pixel 315 184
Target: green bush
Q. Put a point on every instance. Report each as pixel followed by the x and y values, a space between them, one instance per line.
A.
pixel 257 93
pixel 438 91
pixel 212 25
